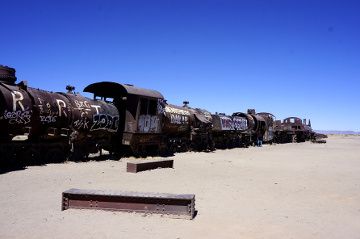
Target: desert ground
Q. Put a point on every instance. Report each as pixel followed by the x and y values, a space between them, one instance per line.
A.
pixel 300 190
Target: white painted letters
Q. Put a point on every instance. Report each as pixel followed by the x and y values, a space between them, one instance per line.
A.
pixel 17 98
pixel 61 104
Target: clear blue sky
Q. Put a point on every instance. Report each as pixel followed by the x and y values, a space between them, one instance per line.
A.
pixel 291 58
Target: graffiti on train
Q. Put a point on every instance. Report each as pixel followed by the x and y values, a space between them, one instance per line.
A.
pixel 240 123
pixel 18 116
pixel 105 122
pixel 149 124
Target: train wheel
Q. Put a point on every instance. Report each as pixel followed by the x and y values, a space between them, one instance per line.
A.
pixel 31 156
pixel 135 152
pixel 184 147
pixel 212 145
pixel 77 155
pixel 9 160
pixel 55 155
pixel 5 161
pixel 229 144
pixel 144 151
pixel 172 148
pixel 163 150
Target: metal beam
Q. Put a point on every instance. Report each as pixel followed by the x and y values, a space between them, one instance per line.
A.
pixel 173 205
pixel 134 167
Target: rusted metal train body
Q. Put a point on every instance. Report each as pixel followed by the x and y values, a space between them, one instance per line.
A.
pixel 257 126
pixel 37 124
pixel 185 128
pixel 268 130
pixel 51 124
pixel 293 129
pixel 140 116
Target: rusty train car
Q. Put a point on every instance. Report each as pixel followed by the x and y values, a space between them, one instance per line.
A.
pixel 197 129
pixel 38 125
pixel 238 130
pixel 269 131
pixel 35 123
pixel 293 129
pixel 186 128
pixel 229 131
pixel 140 117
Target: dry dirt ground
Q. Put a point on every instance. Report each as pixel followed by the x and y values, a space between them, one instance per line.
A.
pixel 281 191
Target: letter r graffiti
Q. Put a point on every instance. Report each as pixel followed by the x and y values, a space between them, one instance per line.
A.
pixel 61 104
pixel 17 98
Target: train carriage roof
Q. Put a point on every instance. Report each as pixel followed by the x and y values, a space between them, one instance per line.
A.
pixel 113 90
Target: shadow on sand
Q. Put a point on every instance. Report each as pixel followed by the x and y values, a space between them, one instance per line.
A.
pixel 7 166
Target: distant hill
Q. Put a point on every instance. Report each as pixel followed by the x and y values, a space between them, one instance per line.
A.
pixel 337 132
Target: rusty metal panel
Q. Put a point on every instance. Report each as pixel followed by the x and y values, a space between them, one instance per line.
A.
pixel 173 205
pixel 134 167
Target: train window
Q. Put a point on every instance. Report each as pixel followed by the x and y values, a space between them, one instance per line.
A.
pixel 292 120
pixel 132 104
pixel 152 107
pixel 148 107
pixel 144 104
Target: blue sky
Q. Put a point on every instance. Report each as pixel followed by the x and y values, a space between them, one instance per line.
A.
pixel 291 58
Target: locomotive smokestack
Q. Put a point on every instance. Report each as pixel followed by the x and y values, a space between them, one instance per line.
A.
pixel 186 103
pixel 251 111
pixel 70 89
pixel 7 74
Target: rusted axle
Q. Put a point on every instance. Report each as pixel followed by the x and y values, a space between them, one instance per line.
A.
pixel 134 167
pixel 173 205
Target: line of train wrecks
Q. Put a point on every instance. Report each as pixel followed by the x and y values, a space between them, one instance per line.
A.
pixel 41 126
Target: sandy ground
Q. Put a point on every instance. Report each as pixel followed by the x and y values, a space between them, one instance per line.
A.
pixel 281 191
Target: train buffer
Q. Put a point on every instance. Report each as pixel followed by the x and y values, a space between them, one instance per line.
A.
pixel 171 205
pixel 142 165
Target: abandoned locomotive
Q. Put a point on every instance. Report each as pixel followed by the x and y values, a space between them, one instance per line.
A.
pixel 38 125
